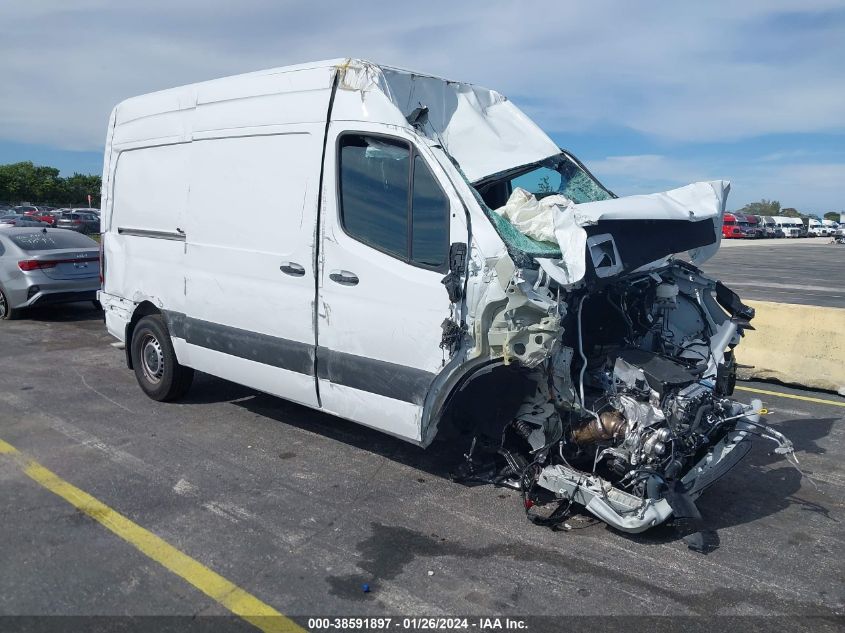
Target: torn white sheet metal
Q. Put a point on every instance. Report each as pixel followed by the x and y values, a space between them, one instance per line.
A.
pixel 695 202
pixel 479 128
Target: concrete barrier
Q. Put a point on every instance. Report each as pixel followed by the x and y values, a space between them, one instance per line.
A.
pixel 795 344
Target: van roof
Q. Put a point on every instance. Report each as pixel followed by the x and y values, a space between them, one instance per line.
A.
pixel 479 128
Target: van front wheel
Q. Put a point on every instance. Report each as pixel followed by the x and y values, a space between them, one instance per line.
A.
pixel 158 372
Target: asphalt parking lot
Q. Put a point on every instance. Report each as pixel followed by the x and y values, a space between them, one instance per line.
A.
pixel 806 271
pixel 301 510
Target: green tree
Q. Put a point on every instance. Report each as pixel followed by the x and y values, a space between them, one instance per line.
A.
pixel 79 186
pixel 832 215
pixel 27 182
pixel 791 212
pixel 17 181
pixel 764 207
pixel 545 186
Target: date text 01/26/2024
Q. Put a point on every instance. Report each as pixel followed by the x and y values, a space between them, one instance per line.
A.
pixel 417 624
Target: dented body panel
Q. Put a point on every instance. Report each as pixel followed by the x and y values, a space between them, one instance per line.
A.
pixel 394 273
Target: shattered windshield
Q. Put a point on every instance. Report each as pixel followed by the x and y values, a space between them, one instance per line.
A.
pixel 562 175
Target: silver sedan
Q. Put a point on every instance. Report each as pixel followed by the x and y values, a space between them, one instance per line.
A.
pixel 46 266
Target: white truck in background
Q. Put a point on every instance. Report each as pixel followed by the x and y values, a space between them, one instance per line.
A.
pixel 791 227
pixel 830 227
pixel 816 229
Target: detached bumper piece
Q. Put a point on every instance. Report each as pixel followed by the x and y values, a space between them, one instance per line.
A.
pixel 633 514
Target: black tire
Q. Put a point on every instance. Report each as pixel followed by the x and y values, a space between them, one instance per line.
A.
pixel 158 372
pixel 7 313
pixel 97 305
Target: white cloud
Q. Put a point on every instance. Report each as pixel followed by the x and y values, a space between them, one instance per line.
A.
pixel 677 72
pixel 810 187
pixel 649 173
pixel 646 167
pixel 685 71
pixel 775 157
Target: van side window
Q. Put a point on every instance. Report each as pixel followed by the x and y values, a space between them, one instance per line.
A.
pixel 390 200
pixel 430 234
pixel 374 187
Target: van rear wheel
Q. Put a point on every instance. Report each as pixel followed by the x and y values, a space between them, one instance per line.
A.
pixel 156 368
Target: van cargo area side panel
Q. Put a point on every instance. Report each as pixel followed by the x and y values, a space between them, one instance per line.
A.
pixel 251 219
pixel 260 348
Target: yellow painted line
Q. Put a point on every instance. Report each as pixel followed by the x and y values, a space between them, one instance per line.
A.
pixel 7 448
pixel 212 584
pixel 791 395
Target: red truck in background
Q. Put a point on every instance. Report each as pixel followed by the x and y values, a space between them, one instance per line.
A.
pixel 731 228
pixel 739 226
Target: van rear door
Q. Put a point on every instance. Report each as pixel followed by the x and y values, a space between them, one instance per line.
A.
pixel 388 219
pixel 249 281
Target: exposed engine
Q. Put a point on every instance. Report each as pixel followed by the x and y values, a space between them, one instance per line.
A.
pixel 630 414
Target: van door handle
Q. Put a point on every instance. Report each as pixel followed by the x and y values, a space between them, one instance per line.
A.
pixel 292 268
pixel 344 277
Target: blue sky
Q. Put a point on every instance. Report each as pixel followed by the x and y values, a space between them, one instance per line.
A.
pixel 650 95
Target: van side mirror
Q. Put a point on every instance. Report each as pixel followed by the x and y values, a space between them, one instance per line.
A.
pixel 457 268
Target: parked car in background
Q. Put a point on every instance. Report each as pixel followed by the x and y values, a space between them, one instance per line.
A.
pixel 11 220
pixel 93 210
pixel 46 266
pixel 48 217
pixel 80 222
pixel 22 209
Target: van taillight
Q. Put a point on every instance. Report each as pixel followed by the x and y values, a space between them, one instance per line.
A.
pixel 27 265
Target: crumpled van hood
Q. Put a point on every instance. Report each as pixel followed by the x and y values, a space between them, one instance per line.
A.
pixel 612 237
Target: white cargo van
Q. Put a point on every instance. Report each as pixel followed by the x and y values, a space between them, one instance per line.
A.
pixel 415 254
